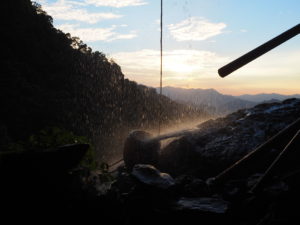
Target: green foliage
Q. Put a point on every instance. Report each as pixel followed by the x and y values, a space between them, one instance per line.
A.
pixel 51 137
pixel 89 161
pixel 16 147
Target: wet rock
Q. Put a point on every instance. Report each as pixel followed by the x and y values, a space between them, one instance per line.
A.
pixel 253 179
pixel 197 188
pixel 276 189
pixel 219 143
pixel 190 186
pixel 139 149
pixel 183 180
pixel 234 190
pixel 94 184
pixel 125 183
pixel 177 157
pixel 203 205
pixel 149 175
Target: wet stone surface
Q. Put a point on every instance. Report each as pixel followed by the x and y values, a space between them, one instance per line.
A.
pixel 217 144
pixel 203 205
pixel 149 175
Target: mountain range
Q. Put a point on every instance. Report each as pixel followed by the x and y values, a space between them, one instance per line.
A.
pixel 267 97
pixel 218 103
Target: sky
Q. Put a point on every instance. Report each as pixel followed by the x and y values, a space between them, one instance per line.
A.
pixel 199 37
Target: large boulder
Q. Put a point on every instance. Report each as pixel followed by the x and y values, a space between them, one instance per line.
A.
pixel 209 210
pixel 150 176
pixel 40 182
pixel 203 205
pixel 219 143
pixel 140 149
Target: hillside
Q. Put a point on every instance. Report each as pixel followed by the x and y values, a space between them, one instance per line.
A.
pixel 212 100
pixel 267 97
pixel 51 79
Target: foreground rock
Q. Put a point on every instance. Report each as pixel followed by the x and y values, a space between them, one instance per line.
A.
pixel 202 205
pixel 40 182
pixel 149 195
pixel 138 149
pixel 61 159
pixel 149 175
pixel 217 144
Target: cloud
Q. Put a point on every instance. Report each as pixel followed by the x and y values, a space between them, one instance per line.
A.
pixel 195 29
pixel 274 72
pixel 72 10
pixel 95 34
pixel 178 65
pixel 116 3
pixel 274 64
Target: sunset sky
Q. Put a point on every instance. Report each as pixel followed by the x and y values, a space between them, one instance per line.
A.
pixel 199 37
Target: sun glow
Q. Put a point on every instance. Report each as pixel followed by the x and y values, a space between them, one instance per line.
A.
pixel 178 67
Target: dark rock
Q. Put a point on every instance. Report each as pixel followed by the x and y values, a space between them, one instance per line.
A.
pixel 149 175
pixel 276 189
pixel 197 188
pixel 125 183
pixel 203 205
pixel 139 150
pixel 190 186
pixel 177 157
pixel 253 179
pixel 95 186
pixel 235 190
pixel 183 180
pixel 60 159
pixel 40 181
pixel 219 143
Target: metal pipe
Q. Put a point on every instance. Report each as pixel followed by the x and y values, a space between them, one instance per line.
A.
pixel 260 50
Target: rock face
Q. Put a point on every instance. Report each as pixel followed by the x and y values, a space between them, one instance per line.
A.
pixel 203 205
pixel 217 144
pixel 40 182
pixel 138 149
pixel 49 161
pixel 149 175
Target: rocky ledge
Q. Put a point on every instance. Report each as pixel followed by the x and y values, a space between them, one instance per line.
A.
pixel 219 143
pixel 182 187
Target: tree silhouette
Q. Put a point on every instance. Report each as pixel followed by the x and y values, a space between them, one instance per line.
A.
pixel 49 78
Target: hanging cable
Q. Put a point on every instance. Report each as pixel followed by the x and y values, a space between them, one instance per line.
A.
pixel 161 57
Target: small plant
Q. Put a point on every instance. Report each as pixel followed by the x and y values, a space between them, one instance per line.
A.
pixel 52 137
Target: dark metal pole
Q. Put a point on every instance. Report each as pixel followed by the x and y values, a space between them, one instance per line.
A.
pixel 257 52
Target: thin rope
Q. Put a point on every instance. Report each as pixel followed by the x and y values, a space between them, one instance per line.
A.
pixel 161 61
pixel 160 85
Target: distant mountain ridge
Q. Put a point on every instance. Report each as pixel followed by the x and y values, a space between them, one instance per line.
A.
pixel 267 97
pixel 211 99
pixel 217 102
